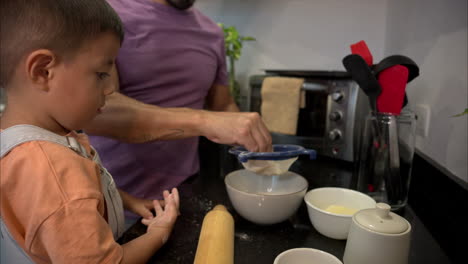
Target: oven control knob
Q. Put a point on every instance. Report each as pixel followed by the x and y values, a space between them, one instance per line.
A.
pixel 334 135
pixel 337 96
pixel 335 116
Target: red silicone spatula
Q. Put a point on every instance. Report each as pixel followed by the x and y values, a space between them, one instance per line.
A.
pixel 361 49
pixel 393 83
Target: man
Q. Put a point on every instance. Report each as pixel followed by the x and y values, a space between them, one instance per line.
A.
pixel 172 65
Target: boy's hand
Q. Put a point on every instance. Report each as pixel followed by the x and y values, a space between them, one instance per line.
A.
pixel 142 207
pixel 165 217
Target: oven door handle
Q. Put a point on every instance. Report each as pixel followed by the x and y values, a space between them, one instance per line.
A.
pixel 314 87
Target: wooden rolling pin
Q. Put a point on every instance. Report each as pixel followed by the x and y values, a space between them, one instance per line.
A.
pixel 216 242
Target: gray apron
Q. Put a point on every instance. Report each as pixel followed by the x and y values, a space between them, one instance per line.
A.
pixel 11 137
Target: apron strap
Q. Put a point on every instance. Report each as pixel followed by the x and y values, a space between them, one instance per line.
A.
pixel 12 253
pixel 19 134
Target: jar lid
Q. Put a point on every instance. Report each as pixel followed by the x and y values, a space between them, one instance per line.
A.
pixel 381 220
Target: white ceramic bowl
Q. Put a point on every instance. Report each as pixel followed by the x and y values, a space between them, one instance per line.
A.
pixel 265 199
pixel 306 255
pixel 334 225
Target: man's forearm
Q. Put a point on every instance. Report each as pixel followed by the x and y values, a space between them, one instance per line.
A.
pixel 131 121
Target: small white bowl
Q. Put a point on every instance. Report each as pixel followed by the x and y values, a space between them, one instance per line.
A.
pixel 334 225
pixel 306 255
pixel 264 199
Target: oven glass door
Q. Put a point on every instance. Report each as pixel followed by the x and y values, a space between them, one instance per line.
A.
pixel 313 117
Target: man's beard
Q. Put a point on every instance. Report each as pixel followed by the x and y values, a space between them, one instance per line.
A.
pixel 181 4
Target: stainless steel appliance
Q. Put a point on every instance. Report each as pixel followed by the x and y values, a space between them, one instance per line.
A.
pixel 333 116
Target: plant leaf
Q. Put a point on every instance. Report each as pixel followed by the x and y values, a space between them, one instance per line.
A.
pixel 462 113
pixel 233 43
pixel 248 38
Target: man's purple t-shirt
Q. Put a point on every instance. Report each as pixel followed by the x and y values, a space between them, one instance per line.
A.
pixel 169 58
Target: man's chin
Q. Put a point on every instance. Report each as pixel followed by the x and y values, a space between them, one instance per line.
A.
pixel 181 4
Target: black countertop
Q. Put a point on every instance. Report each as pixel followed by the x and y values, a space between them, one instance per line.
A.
pixel 261 244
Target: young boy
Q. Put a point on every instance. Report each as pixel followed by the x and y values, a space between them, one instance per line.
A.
pixel 58 205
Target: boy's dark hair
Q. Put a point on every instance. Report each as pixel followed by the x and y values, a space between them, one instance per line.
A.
pixel 58 25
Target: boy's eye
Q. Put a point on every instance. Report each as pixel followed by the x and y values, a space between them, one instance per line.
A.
pixel 102 75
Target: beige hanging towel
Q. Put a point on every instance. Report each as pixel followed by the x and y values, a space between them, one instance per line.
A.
pixel 280 103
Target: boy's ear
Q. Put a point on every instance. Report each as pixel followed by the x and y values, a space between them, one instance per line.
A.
pixel 39 64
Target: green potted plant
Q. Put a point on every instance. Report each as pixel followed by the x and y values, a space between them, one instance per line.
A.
pixel 233 43
pixel 462 113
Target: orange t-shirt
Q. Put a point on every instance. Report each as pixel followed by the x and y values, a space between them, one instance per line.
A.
pixel 51 202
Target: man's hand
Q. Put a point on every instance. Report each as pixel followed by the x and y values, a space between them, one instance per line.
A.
pixel 235 128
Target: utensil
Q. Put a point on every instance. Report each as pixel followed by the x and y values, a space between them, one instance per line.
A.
pixel 378 236
pixel 263 199
pixel 380 164
pixel 306 255
pixel 330 209
pixel 390 61
pixel 362 74
pixel 387 168
pixel 280 152
pixel 271 163
pixel 361 49
pixel 216 242
pixel 394 162
pixel 393 83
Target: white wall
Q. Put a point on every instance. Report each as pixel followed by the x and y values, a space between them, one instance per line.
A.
pixel 299 34
pixel 434 34
pixel 315 34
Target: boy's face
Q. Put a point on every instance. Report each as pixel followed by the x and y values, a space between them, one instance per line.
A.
pixel 82 82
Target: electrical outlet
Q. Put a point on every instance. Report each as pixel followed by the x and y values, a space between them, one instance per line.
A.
pixel 423 113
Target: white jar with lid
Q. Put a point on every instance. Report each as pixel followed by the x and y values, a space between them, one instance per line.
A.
pixel 378 236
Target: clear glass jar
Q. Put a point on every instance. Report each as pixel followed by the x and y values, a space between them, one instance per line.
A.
pixel 386 157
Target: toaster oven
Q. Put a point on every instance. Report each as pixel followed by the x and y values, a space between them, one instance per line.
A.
pixel 333 115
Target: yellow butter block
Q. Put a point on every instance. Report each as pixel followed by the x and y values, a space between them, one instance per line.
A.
pixel 338 209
